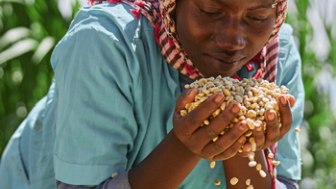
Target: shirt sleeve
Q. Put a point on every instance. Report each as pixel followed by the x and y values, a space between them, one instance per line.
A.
pixel 285 183
pixel 120 182
pixel 95 124
pixel 288 151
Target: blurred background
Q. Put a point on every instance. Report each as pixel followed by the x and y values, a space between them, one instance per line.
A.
pixel 29 30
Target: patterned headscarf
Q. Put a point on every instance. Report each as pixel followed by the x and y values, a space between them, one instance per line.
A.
pixel 160 12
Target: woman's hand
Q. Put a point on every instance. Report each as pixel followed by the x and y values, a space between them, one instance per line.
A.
pixel 199 139
pixel 273 133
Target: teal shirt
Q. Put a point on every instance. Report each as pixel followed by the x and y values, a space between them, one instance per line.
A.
pixel 112 102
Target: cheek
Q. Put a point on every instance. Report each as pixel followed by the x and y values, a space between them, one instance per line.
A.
pixel 258 36
pixel 190 29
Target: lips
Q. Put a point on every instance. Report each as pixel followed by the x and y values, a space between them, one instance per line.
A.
pixel 228 62
pixel 227 59
pixel 218 66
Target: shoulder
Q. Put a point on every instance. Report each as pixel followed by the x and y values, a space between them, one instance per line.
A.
pixel 115 20
pixel 289 57
pixel 286 41
pixel 105 28
pixel 285 32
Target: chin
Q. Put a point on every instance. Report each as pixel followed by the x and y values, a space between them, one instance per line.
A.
pixel 216 73
pixel 212 67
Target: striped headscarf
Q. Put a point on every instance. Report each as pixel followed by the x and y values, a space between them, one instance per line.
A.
pixel 159 13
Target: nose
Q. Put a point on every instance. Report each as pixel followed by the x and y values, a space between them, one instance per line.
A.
pixel 230 35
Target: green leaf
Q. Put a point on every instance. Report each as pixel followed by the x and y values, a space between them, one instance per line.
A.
pixel 13 35
pixel 18 49
pixel 13 1
pixel 45 46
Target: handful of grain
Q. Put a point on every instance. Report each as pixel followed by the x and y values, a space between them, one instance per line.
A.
pixel 256 96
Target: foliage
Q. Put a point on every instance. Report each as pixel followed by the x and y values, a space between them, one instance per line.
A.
pixel 28 32
pixel 319 125
pixel 30 29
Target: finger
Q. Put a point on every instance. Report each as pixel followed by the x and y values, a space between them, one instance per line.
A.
pixel 259 135
pixel 192 121
pixel 218 124
pixel 231 151
pixel 225 141
pixel 291 100
pixel 247 148
pixel 187 96
pixel 285 115
pixel 272 131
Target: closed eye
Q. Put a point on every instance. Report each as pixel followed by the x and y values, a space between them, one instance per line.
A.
pixel 210 13
pixel 257 19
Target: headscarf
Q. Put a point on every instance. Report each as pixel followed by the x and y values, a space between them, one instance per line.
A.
pixel 160 12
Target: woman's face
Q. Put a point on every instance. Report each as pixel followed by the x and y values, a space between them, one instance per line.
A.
pixel 220 36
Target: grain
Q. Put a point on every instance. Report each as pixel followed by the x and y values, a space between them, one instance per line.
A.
pixel 256 96
pixel 251 156
pixel 212 164
pixel 252 163
pixel 217 182
pixel 262 173
pixel 234 181
pixel 275 163
pixel 114 175
pixel 215 139
pixel 248 182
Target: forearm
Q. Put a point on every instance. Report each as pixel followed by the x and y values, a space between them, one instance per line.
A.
pixel 121 182
pixel 166 167
pixel 237 166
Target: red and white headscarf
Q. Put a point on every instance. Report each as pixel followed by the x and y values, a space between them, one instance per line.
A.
pixel 159 13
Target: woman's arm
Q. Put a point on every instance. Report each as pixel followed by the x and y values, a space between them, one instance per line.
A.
pixel 237 166
pixel 122 182
pixel 179 152
pixel 174 158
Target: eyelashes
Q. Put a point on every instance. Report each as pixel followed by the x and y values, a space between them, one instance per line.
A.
pixel 210 13
pixel 216 13
pixel 257 19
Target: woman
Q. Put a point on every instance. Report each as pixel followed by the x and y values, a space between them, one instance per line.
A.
pixel 113 107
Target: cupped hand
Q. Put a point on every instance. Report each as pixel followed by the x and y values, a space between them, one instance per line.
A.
pixel 199 140
pixel 274 132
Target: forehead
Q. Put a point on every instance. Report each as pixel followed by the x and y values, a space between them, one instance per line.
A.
pixel 236 5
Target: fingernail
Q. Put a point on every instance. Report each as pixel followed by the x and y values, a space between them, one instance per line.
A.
pixel 242 139
pixel 235 109
pixel 219 98
pixel 257 126
pixel 242 127
pixel 247 148
pixel 190 91
pixel 270 116
pixel 283 101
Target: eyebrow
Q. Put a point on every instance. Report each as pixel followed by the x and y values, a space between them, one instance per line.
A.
pixel 252 8
pixel 261 7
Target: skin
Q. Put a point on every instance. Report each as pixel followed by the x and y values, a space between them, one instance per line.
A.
pixel 214 33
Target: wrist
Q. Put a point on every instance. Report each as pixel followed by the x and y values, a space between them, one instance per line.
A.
pixel 176 141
